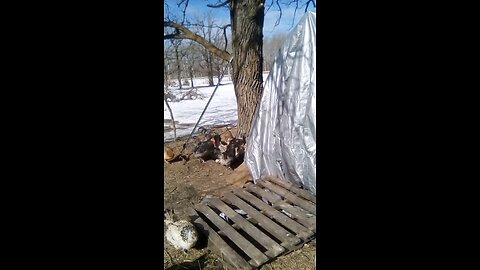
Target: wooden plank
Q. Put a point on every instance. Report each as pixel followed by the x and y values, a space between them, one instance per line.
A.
pixel 306 205
pixel 268 195
pixel 217 243
pixel 253 252
pixel 291 187
pixel 273 228
pixel 300 230
pixel 300 216
pixel 273 248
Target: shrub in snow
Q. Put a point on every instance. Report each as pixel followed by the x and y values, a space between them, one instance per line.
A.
pixel 192 94
pixel 170 96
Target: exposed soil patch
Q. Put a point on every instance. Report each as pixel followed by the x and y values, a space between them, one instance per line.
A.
pixel 186 184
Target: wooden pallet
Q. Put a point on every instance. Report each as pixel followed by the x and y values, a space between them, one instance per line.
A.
pixel 280 218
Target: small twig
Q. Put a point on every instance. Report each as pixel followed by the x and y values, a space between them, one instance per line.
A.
pixel 277 22
pixel 171 115
pixel 217 5
pixel 223 262
pixel 169 256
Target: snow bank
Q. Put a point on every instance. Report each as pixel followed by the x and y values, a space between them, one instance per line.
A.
pixel 222 110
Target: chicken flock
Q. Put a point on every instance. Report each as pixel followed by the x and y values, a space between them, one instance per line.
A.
pixel 224 148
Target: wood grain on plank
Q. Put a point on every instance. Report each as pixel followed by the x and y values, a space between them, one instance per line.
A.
pixel 266 194
pixel 217 243
pixel 291 187
pixel 301 216
pixel 248 248
pixel 301 231
pixel 273 248
pixel 273 228
pixel 309 206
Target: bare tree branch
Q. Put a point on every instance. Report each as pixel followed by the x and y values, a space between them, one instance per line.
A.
pixel 184 8
pixel 217 5
pixel 296 2
pixel 225 35
pixel 277 22
pixel 207 26
pixel 308 3
pixel 187 34
pixel 294 12
pixel 269 6
pixel 167 8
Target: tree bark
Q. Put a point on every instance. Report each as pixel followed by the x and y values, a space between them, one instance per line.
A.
pixel 247 23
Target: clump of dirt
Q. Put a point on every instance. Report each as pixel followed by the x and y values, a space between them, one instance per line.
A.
pixel 185 184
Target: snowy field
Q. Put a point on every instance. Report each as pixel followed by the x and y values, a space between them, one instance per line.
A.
pixel 222 110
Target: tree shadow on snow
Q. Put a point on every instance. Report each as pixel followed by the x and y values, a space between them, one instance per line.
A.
pixel 206 86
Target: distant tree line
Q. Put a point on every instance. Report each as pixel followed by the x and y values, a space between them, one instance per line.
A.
pixel 271 45
pixel 185 59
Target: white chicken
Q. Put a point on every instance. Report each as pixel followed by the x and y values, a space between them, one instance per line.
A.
pixel 180 234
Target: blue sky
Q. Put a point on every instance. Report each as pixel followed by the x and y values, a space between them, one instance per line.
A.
pixel 198 8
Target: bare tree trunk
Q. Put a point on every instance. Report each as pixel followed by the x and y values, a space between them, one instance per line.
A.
pixel 247 24
pixel 210 69
pixel 219 71
pixel 191 75
pixel 229 72
pixel 165 75
pixel 179 69
pixel 171 115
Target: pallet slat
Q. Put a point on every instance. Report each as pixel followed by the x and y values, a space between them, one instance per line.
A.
pixel 300 230
pixel 273 248
pixel 276 230
pixel 280 218
pixel 300 216
pixel 310 207
pixel 269 196
pixel 217 243
pixel 291 187
pixel 253 252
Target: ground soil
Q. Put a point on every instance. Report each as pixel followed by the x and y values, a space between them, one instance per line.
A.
pixel 185 184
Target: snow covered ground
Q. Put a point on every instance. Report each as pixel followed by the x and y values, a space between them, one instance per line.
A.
pixel 222 110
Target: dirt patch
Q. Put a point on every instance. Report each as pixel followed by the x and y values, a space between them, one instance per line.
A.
pixel 185 184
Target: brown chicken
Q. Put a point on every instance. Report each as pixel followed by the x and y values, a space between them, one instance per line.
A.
pixel 168 154
pixel 233 154
pixel 226 136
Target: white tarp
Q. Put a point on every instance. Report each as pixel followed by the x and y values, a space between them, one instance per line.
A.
pixel 282 141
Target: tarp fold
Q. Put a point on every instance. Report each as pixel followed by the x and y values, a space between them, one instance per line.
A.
pixel 282 141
